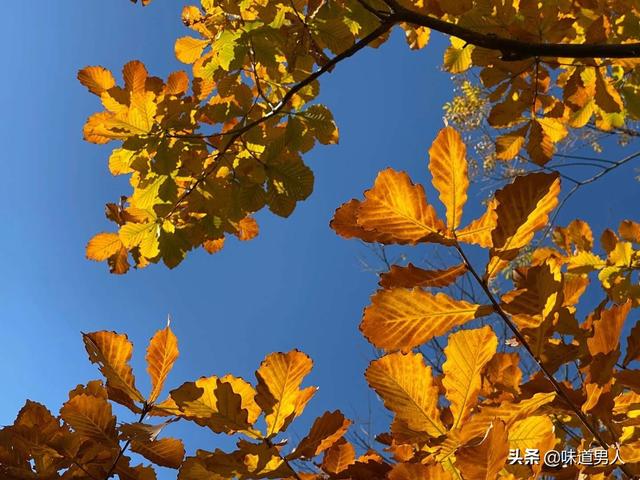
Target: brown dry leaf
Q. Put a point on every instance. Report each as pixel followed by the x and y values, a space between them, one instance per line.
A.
pixel 338 457
pixel 166 452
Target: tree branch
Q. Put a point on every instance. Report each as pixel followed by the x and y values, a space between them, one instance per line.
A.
pixel 515 49
pixel 523 341
pixel 327 67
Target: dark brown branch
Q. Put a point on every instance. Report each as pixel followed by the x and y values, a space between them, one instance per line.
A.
pixel 523 341
pixel 327 67
pixel 515 49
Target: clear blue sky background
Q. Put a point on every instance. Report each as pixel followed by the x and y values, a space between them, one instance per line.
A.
pixel 296 286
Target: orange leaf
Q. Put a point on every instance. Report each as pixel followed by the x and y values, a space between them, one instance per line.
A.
pixel 484 461
pixel 467 352
pixel 161 355
pixel 411 276
pixel 112 352
pixel 406 387
pixel 523 208
pixel 96 79
pixel 397 207
pixel 102 246
pixel 166 452
pixel 338 457
pixel 448 167
pixel 279 395
pixel 91 417
pixel 325 432
pixel 478 232
pixel 401 319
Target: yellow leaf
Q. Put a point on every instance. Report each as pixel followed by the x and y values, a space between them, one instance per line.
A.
pixel 279 395
pixel 457 57
pixel 91 417
pixel 161 355
pixel 530 432
pixel 102 246
pixel 523 208
pixel 484 461
pixel 467 352
pixel 112 352
pixel 448 167
pixel 189 49
pixel 478 232
pixel 397 207
pixel 225 405
pixel 96 79
pixel 401 319
pixel 166 452
pixel 142 235
pixel 406 387
pixel 412 276
pixel 509 145
pixel 325 432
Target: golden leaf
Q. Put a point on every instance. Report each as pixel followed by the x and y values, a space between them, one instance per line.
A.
pixel 325 432
pixel 406 387
pixel 345 224
pixel 91 417
pixel 112 352
pixel 467 352
pixel 484 461
pixel 478 232
pixel 189 49
pixel 412 276
pixel 397 207
pixel 161 355
pixel 166 452
pixel 102 246
pixel 279 395
pixel 633 345
pixel 457 57
pixel 96 79
pixel 401 319
pixel 523 208
pixel 448 167
pixel 225 405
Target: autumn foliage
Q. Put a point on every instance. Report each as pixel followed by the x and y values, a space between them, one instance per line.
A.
pixel 522 367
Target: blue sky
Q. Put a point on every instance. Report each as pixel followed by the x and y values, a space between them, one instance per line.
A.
pixel 297 285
